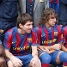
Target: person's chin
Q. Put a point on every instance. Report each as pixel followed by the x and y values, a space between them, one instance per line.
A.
pixel 28 31
pixel 53 24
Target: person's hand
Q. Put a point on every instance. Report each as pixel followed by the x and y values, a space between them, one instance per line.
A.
pixel 16 61
pixel 35 62
pixel 1 31
pixel 45 49
pixel 1 49
pixel 57 46
pixel 41 48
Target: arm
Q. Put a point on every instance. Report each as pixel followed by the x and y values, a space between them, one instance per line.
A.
pixel 35 60
pixel 7 46
pixel 15 60
pixel 1 50
pixel 54 47
pixel 64 48
pixel 34 51
pixel 46 49
pixel 51 51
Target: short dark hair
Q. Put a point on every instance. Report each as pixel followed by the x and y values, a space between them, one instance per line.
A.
pixel 23 18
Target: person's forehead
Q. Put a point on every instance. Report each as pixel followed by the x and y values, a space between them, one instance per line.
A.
pixel 52 15
pixel 29 22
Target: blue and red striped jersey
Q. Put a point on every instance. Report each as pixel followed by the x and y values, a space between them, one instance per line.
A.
pixel 17 43
pixel 54 4
pixel 65 35
pixel 49 36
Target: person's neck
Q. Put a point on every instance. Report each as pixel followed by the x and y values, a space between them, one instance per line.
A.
pixel 21 31
pixel 47 25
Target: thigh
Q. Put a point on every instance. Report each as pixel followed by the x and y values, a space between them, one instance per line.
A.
pixel 44 57
pixel 25 59
pixel 54 56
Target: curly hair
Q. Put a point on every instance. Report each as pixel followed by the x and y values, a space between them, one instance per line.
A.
pixel 46 16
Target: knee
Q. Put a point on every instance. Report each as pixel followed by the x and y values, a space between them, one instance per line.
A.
pixel 36 63
pixel 63 57
pixel 45 58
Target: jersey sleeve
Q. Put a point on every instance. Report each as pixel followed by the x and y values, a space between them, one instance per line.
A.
pixel 38 32
pixel 34 39
pixel 60 34
pixel 7 40
pixel 65 35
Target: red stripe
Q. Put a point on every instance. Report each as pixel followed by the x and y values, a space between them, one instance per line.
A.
pixel 65 63
pixel 59 33
pixel 65 36
pixel 34 38
pixel 18 39
pixel 52 36
pixel 45 65
pixel 9 41
pixel 46 33
pixel 57 1
pixel 51 1
pixel 39 32
pixel 30 1
pixel 26 43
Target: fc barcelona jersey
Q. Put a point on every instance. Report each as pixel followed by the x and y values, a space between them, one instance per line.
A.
pixel 17 43
pixel 65 35
pixel 49 36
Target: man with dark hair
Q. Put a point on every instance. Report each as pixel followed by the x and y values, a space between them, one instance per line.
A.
pixel 18 43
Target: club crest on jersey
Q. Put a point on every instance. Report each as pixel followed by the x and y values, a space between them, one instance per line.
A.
pixel 29 39
pixel 55 33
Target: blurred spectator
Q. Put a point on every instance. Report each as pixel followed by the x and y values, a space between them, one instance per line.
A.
pixel 34 8
pixel 62 15
pixel 54 4
pixel 8 15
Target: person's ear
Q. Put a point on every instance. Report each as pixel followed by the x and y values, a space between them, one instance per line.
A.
pixel 20 25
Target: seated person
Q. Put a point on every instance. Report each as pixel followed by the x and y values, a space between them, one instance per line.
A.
pixel 50 39
pixel 2 56
pixel 18 43
pixel 64 47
